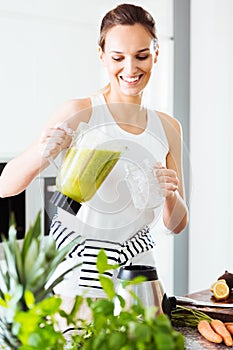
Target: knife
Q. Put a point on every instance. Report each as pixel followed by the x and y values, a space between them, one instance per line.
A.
pixel 185 300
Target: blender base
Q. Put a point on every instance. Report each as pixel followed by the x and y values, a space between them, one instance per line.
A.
pixel 68 204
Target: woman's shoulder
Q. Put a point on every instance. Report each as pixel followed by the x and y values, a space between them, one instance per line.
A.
pixel 169 123
pixel 72 111
pixel 74 106
pixel 172 128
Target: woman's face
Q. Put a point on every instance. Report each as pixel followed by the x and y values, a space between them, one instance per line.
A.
pixel 129 56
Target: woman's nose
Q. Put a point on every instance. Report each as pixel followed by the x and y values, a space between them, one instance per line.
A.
pixel 130 66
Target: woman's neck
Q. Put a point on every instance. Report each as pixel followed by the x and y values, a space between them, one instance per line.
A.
pixel 127 111
pixel 114 97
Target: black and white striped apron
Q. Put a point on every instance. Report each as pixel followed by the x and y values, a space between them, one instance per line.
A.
pixel 88 249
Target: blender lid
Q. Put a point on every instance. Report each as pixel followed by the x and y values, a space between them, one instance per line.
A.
pixel 130 272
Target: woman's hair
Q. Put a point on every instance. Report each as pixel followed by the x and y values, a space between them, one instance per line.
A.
pixel 127 14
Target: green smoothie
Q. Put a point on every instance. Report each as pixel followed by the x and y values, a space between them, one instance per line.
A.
pixel 83 171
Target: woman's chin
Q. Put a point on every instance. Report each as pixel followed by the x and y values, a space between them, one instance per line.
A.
pixel 131 92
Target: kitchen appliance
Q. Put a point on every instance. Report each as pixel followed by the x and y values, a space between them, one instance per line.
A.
pixel 88 161
pixel 12 207
pixel 150 292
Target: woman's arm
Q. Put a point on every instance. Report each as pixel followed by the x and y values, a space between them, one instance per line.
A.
pixel 175 214
pixel 20 171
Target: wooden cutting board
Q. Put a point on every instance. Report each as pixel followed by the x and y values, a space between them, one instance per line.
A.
pixel 225 315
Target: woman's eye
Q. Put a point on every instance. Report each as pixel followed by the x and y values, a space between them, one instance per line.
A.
pixel 141 58
pixel 118 59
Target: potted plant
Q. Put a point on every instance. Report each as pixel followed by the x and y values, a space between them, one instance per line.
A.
pixel 28 309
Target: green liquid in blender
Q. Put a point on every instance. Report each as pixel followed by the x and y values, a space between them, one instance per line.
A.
pixel 83 171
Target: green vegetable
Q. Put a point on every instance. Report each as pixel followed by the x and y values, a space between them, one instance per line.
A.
pixel 184 316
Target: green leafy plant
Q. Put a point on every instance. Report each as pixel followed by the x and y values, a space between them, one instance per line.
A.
pixel 28 309
pixel 25 273
pixel 134 328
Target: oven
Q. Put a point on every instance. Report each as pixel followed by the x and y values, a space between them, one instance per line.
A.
pixel 38 195
pixel 23 208
pixel 12 209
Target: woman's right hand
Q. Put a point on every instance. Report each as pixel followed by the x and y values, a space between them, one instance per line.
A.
pixel 55 139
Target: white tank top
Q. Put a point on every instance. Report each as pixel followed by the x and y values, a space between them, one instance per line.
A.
pixel 110 219
pixel 110 214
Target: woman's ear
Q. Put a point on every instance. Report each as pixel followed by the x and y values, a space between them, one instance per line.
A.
pixel 101 55
pixel 156 53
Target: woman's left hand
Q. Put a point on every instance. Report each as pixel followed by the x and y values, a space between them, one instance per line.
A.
pixel 168 180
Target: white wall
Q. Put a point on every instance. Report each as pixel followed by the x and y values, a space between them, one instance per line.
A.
pixel 44 61
pixel 211 143
pixel 48 55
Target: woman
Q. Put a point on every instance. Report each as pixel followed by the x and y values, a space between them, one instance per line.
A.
pixel 128 48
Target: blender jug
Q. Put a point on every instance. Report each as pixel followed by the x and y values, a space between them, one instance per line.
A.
pixel 88 161
pixel 150 292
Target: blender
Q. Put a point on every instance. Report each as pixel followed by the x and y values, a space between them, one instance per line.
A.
pixel 87 162
pixel 150 292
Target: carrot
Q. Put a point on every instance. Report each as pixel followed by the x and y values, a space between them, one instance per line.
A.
pixel 207 332
pixel 220 328
pixel 229 326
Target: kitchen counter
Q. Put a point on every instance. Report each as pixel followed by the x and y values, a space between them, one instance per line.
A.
pixel 195 341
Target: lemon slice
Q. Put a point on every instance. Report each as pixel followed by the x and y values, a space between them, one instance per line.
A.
pixel 212 286
pixel 221 290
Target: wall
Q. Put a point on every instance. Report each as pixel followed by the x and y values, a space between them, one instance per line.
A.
pixel 43 62
pixel 211 145
pixel 48 55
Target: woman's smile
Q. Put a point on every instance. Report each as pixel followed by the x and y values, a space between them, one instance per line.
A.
pixel 131 80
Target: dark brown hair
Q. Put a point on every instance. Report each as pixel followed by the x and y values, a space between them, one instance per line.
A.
pixel 127 14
